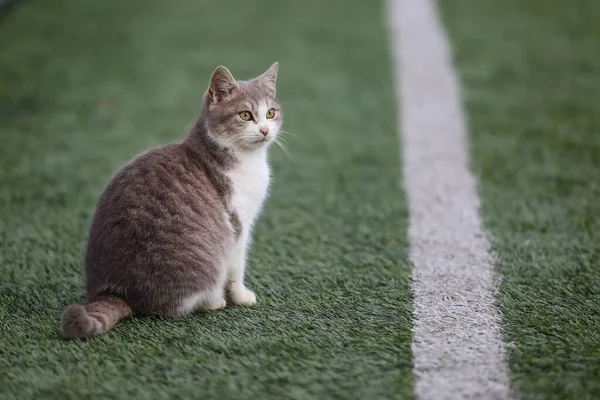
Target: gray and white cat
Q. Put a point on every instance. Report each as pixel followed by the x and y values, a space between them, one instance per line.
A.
pixel 171 229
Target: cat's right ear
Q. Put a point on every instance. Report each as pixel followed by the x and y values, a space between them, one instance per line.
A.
pixel 221 85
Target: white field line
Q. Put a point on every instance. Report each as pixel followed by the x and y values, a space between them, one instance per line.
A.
pixel 457 347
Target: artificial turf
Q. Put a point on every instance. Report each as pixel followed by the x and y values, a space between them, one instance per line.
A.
pixel 86 85
pixel 530 81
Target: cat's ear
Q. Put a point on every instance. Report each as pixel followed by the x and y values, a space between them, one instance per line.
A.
pixel 269 79
pixel 222 84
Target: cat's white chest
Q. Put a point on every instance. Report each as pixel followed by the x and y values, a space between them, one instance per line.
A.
pixel 250 182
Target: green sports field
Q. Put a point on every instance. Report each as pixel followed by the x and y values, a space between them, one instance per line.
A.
pixel 531 81
pixel 86 85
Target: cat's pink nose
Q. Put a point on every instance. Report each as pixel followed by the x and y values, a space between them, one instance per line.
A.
pixel 264 130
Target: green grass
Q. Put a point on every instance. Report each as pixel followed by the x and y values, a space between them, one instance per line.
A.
pixel 86 85
pixel 530 72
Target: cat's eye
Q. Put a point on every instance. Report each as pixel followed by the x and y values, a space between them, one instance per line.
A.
pixel 246 115
pixel 271 113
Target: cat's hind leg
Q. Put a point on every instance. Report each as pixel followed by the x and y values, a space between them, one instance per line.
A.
pixel 214 305
pixel 212 299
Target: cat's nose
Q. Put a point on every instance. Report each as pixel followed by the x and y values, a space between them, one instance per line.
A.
pixel 264 130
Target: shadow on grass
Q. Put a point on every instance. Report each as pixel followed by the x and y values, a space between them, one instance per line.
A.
pixel 6 6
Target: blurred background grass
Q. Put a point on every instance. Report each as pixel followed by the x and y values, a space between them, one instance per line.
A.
pixel 530 73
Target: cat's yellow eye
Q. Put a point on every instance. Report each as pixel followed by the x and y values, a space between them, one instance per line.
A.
pixel 271 113
pixel 246 115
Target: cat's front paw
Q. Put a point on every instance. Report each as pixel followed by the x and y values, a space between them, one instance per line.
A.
pixel 243 297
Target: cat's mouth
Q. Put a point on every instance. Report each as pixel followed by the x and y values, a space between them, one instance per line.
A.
pixel 261 140
pixel 255 143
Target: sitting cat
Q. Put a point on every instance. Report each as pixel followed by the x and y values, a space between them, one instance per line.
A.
pixel 172 227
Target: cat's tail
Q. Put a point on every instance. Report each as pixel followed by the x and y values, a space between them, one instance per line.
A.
pixel 94 318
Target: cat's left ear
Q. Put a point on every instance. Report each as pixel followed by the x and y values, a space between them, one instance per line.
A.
pixel 269 79
pixel 222 84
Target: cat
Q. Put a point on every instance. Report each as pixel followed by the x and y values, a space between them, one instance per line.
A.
pixel 171 230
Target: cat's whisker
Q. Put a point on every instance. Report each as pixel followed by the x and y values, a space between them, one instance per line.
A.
pixel 284 150
pixel 292 134
pixel 284 143
pixel 284 139
pixel 283 147
pixel 286 131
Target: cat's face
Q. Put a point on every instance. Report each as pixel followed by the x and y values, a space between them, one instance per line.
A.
pixel 243 115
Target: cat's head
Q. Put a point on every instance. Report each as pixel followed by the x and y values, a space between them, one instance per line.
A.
pixel 243 115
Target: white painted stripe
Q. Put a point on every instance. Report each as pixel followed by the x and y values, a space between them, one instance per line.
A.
pixel 457 346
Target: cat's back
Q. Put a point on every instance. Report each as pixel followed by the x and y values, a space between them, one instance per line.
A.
pixel 157 181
